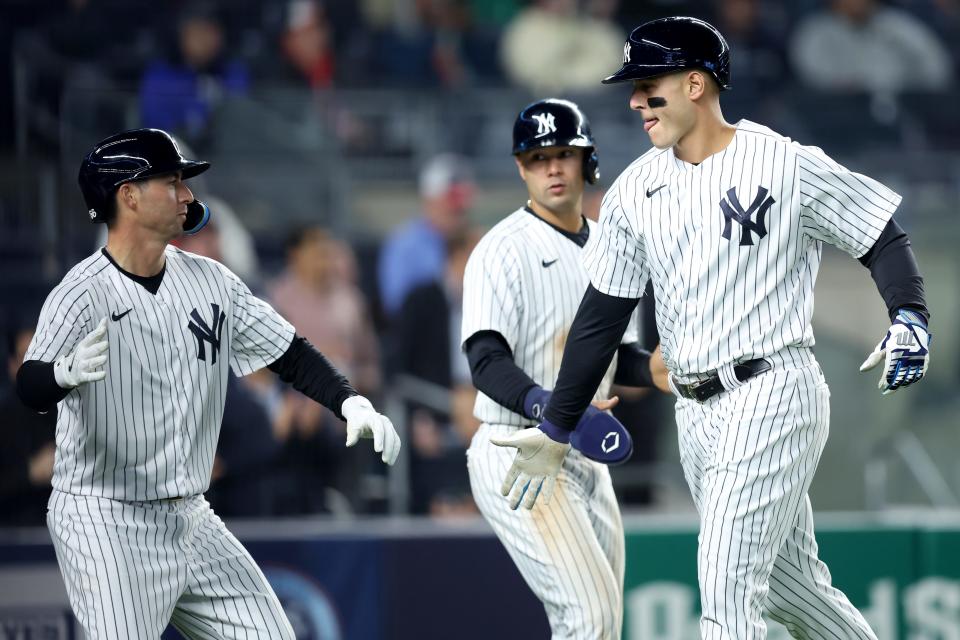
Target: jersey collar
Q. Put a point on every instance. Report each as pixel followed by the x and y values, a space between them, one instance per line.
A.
pixel 150 283
pixel 579 238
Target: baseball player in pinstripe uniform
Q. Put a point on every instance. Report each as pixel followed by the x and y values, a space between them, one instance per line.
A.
pixel 728 222
pixel 522 285
pixel 133 348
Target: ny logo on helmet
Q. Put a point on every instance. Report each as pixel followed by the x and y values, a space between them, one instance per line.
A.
pixel 626 52
pixel 545 123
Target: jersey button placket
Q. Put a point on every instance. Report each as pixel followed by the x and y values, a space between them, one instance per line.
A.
pixel 176 354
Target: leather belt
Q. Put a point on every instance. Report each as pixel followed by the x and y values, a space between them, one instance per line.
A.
pixel 706 389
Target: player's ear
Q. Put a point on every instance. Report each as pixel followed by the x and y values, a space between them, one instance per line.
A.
pixel 520 168
pixel 696 84
pixel 127 194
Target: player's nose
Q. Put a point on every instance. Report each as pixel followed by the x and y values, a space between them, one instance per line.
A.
pixel 185 194
pixel 637 100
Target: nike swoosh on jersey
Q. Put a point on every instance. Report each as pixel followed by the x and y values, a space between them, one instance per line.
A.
pixel 547 263
pixel 117 316
pixel 651 192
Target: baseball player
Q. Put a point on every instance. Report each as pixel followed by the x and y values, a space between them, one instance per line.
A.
pixel 522 285
pixel 133 347
pixel 728 222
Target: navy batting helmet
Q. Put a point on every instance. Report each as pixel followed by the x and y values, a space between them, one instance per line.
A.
pixel 557 123
pixel 133 155
pixel 671 44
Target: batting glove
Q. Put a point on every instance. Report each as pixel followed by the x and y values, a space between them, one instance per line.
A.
pixel 86 362
pixel 904 351
pixel 534 470
pixel 363 421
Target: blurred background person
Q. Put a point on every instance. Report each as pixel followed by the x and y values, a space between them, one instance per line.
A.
pixel 552 47
pixel 316 292
pixel 425 346
pixel 180 92
pixel 27 445
pixel 864 45
pixel 415 253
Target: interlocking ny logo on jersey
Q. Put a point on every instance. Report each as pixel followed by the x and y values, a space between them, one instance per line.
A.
pixel 545 123
pixel 206 333
pixel 733 210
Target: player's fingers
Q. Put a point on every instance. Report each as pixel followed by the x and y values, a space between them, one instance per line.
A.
pixel 507 441
pixel 95 363
pixel 391 441
pixel 353 435
pixel 508 482
pixel 98 332
pixel 872 360
pixel 376 426
pixel 533 490
pixel 98 347
pixel 519 491
pixel 547 493
pixel 93 376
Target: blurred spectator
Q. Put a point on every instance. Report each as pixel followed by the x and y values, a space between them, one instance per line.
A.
pixel 430 43
pixel 27 451
pixel 861 45
pixel 551 47
pixel 243 481
pixel 416 253
pixel 426 346
pixel 756 42
pixel 307 44
pixel 326 309
pixel 179 94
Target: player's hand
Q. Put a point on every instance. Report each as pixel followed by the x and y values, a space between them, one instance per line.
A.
pixel 536 465
pixel 363 421
pixel 659 371
pixel 86 363
pixel 904 352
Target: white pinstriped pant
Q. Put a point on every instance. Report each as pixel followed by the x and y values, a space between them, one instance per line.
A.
pixel 571 551
pixel 749 456
pixel 133 567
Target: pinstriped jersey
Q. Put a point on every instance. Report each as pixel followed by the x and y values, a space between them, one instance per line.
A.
pixel 525 280
pixel 732 245
pixel 149 430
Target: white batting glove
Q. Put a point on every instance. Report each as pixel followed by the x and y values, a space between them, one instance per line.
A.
pixel 535 467
pixel 363 421
pixel 905 351
pixel 86 362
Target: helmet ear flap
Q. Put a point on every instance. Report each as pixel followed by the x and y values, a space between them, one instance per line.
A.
pixel 591 166
pixel 198 215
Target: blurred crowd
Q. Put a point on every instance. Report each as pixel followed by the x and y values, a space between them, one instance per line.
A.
pixel 388 315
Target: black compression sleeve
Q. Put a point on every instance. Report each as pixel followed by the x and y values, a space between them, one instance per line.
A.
pixel 633 366
pixel 495 373
pixel 313 375
pixel 594 336
pixel 894 269
pixel 37 386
